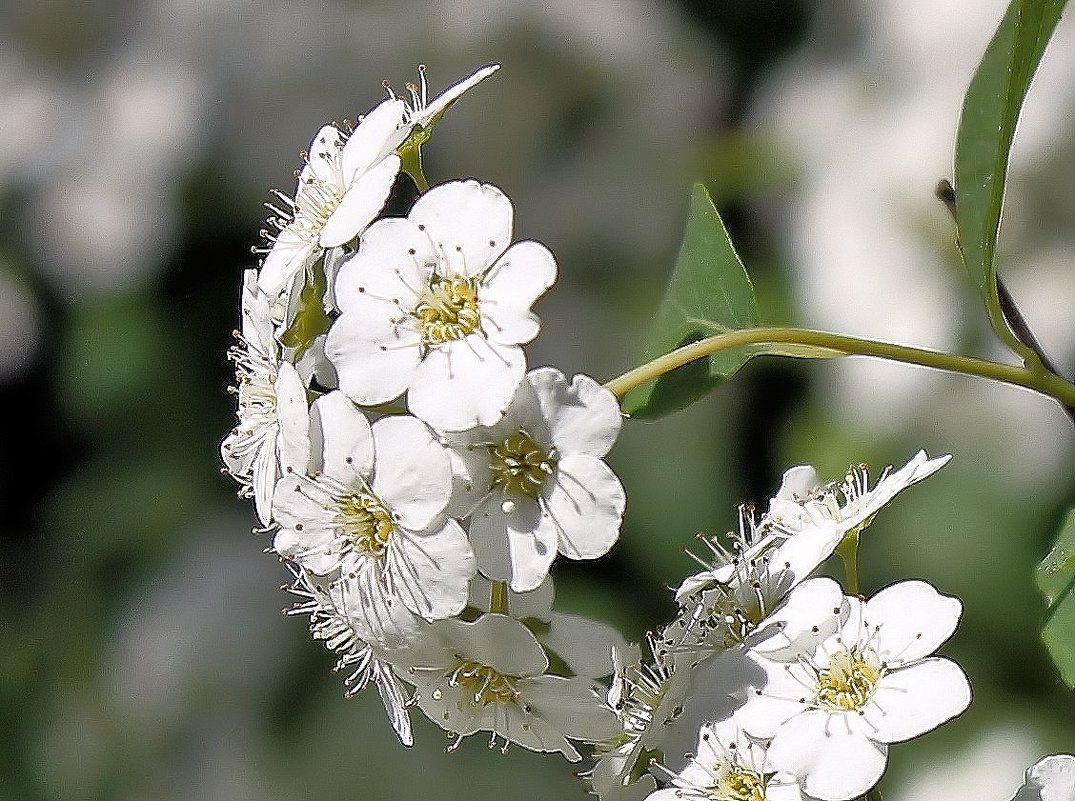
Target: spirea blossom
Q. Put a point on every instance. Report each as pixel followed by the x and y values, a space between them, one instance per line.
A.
pixel 496 680
pixel 538 479
pixel 833 711
pixel 850 503
pixel 728 765
pixel 357 659
pixel 437 304
pixel 374 510
pixel 346 178
pixel 342 186
pixel 271 434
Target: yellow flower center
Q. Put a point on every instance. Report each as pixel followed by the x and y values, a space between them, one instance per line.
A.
pixel 365 522
pixel 519 465
pixel 848 681
pixel 448 310
pixel 737 785
pixel 485 684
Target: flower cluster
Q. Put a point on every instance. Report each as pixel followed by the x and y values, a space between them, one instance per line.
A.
pixel 772 683
pixel 418 479
pixel 419 482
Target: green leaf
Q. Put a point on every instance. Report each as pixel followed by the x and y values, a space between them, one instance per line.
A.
pixel 1055 578
pixel 709 293
pixel 983 142
pixel 310 319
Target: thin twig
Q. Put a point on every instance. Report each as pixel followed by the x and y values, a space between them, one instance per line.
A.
pixel 1017 323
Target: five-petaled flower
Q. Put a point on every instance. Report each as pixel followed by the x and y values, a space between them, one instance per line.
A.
pixel 374 511
pixel 834 711
pixel 436 305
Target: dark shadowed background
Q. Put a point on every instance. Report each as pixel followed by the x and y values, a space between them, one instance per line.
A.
pixel 144 655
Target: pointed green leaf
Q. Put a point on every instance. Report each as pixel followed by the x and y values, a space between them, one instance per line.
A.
pixel 709 293
pixel 1055 578
pixel 983 141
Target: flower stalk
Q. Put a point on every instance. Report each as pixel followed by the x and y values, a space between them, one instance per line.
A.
pixel 1037 380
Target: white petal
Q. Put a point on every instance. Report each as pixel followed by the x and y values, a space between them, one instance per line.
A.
pixel 384 277
pixel 341 437
pixel 465 383
pixel 1051 779
pixel 256 322
pixel 469 224
pixel 498 641
pixel 531 544
pixel 489 538
pixel 511 287
pixel 583 643
pixel 263 480
pixel 439 103
pixel 395 704
pixel 294 418
pixel 915 699
pixel 833 757
pixel 412 472
pixel 289 255
pixel 810 614
pixel 471 479
pixel 571 706
pixel 583 416
pixel 323 159
pixel 914 619
pixel 362 201
pixel 430 572
pixel 799 555
pixel 375 360
pixel 784 787
pixel 371 138
pixel 586 503
pixel 781 696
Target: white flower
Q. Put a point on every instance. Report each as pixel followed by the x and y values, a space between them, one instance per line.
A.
pixel 851 503
pixel 584 645
pixel 734 600
pixel 539 483
pixel 375 511
pixel 496 681
pixel 832 712
pixel 647 697
pixel 341 188
pixel 357 658
pixel 271 435
pixel 1051 779
pixel 422 114
pixel 437 305
pixel 728 765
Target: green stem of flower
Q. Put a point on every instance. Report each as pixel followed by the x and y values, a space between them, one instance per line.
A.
pixel 848 551
pixel 498 598
pixel 873 795
pixel 1045 383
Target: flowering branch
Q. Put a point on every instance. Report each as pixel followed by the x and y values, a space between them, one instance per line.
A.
pixel 1040 381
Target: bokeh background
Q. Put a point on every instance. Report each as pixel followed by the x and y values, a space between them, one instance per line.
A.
pixel 143 653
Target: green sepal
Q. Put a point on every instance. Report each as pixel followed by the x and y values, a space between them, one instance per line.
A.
pixel 311 320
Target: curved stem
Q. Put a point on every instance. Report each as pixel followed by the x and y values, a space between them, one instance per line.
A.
pixel 498 598
pixel 1048 384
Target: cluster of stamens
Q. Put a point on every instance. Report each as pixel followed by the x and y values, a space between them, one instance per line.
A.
pixel 448 310
pixel 519 465
pixel 848 682
pixel 366 524
pixel 485 684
